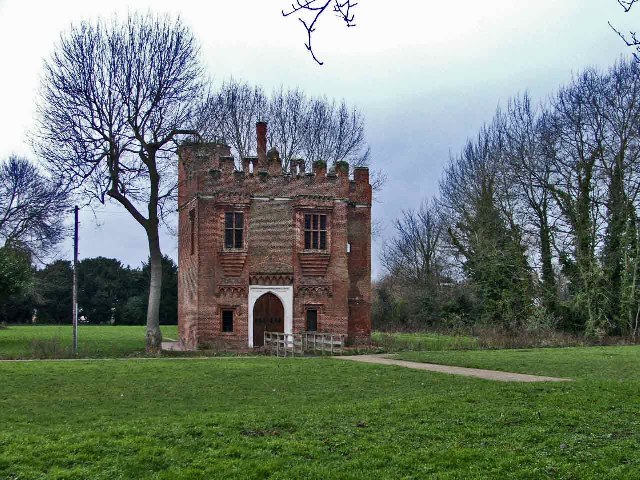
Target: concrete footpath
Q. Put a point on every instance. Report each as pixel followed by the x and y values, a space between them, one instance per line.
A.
pixel 384 359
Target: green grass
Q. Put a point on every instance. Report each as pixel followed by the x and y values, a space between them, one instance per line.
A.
pixel 55 341
pixel 322 418
pixel 593 364
pixel 422 341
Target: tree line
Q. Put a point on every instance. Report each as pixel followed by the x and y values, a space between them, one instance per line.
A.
pixel 536 222
pixel 108 293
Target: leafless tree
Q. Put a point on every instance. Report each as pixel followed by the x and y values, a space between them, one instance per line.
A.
pixel 310 11
pixel 114 96
pixel 230 115
pixel 31 207
pixel 300 127
pixel 528 172
pixel 414 254
pixel 287 118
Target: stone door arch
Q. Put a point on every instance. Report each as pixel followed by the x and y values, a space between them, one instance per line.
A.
pixel 283 298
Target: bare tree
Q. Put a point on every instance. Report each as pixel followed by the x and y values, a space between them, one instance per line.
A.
pixel 287 117
pixel 529 174
pixel 230 115
pixel 312 129
pixel 31 207
pixel 574 136
pixel 310 11
pixel 413 255
pixel 114 97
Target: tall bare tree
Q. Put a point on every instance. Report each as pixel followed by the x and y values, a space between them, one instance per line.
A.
pixel 574 133
pixel 528 172
pixel 114 97
pixel 620 111
pixel 31 207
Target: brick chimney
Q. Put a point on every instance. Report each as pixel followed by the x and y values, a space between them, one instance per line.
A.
pixel 261 138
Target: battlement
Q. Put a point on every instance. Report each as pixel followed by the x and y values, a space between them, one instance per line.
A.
pixel 209 168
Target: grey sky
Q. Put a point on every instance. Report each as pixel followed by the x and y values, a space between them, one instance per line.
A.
pixel 426 75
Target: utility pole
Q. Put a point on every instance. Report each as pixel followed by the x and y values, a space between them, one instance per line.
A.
pixel 75 282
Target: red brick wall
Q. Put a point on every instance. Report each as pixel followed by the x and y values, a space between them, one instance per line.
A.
pixel 336 283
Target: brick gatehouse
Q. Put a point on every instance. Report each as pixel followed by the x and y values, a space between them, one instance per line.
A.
pixel 266 250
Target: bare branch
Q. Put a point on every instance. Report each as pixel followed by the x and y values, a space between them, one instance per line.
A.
pixel 343 10
pixel 626 4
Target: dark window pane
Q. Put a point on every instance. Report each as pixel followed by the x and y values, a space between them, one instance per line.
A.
pixel 238 243
pixel 239 220
pixel 314 244
pixel 323 222
pixel 307 239
pixel 312 320
pixel 227 320
pixel 315 222
pixel 307 222
pixel 228 220
pixel 228 238
pixel 323 240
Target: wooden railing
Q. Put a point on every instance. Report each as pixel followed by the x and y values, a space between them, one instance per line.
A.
pixel 292 344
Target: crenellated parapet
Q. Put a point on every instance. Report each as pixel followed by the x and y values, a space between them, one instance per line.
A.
pixel 209 169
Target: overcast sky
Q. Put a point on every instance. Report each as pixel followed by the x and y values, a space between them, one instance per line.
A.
pixel 425 74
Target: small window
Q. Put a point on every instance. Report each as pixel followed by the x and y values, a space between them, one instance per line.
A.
pixel 192 230
pixel 233 229
pixel 312 320
pixel 315 231
pixel 227 320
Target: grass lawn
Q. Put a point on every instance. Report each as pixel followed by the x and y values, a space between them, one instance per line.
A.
pixel 422 341
pixel 55 341
pixel 322 418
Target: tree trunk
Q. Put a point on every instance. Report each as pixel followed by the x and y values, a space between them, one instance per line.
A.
pixel 154 335
pixel 548 276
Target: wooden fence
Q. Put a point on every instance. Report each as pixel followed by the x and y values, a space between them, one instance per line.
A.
pixel 292 344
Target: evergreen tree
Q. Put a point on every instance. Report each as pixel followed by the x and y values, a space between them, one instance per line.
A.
pixel 53 299
pixel 495 262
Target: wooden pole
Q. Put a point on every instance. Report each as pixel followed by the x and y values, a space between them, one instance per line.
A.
pixel 75 282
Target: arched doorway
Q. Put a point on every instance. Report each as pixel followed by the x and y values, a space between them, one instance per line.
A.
pixel 268 316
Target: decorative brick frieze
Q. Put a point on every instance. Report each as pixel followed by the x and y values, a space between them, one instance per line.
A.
pixel 273 279
pixel 230 291
pixel 315 290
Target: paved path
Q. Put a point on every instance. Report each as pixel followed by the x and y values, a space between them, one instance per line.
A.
pixel 467 372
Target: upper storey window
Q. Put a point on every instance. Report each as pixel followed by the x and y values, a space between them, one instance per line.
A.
pixel 233 229
pixel 315 231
